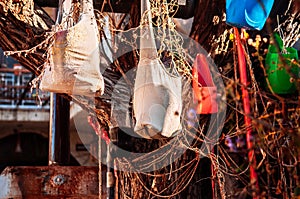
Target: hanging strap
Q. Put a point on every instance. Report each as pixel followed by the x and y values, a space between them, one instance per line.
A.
pixel 87 7
pixel 147 40
pixel 64 8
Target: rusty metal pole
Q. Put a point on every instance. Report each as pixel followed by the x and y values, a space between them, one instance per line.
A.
pixel 59 135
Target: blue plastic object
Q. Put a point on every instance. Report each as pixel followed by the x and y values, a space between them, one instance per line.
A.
pixel 249 14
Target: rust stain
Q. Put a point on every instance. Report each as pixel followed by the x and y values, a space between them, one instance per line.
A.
pixel 50 182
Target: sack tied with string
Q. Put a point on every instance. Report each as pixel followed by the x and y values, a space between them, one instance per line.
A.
pixel 157 103
pixel 74 58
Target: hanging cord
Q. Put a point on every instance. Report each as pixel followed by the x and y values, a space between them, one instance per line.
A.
pixel 182 181
pixel 100 166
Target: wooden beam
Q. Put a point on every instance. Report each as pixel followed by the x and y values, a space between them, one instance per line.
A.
pixel 124 6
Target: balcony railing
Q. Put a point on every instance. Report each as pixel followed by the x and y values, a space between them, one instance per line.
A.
pixel 15 91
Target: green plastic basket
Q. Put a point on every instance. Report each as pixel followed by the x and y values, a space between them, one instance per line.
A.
pixel 277 66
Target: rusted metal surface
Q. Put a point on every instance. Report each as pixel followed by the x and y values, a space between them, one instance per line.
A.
pixel 50 182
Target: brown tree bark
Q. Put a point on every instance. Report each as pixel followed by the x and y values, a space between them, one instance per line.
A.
pixel 24 25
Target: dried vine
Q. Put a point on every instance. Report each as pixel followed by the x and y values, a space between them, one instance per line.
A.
pixel 23 30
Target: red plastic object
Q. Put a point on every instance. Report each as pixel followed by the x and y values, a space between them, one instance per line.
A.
pixel 205 91
pixel 98 130
pixel 247 112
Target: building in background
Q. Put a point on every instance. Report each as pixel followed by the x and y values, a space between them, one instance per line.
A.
pixel 24 121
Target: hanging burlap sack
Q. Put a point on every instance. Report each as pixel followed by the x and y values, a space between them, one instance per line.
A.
pixel 157 100
pixel 74 58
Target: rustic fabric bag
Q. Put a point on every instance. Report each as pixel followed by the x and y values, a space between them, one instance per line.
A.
pixel 157 100
pixel 74 59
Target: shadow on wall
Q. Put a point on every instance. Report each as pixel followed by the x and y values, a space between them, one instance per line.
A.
pixel 25 149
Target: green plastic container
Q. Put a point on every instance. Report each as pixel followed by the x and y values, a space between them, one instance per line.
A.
pixel 276 65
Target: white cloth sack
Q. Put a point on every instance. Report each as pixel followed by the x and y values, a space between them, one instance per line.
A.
pixel 157 100
pixel 74 64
